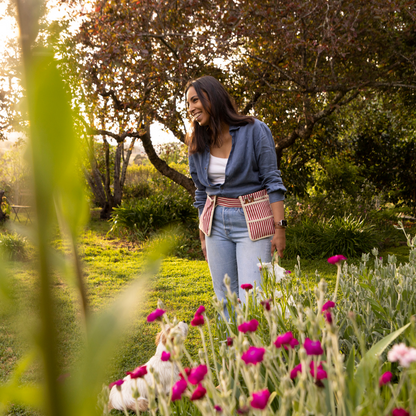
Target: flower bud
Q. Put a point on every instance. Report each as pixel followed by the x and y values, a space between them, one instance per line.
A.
pixel 223 349
pixel 323 285
pixel 302 354
pixel 227 280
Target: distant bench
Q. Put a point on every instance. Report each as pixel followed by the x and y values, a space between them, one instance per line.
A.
pixel 20 209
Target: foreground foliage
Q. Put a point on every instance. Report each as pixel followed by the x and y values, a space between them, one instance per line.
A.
pixel 302 352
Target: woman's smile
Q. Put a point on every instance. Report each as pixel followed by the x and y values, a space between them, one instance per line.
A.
pixel 195 108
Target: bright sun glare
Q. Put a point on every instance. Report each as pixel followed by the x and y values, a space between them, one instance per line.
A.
pixel 9 30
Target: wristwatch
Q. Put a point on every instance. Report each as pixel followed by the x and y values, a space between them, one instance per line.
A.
pixel 280 224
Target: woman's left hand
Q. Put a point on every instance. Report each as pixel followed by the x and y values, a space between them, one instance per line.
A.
pixel 279 242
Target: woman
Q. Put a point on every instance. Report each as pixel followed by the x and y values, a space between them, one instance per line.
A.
pixel 239 191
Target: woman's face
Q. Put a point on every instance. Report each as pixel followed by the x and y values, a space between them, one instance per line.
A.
pixel 195 108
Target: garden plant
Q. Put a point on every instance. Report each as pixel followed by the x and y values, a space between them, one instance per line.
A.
pixel 317 359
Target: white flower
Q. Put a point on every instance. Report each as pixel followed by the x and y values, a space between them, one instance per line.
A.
pixel 404 355
pixel 279 272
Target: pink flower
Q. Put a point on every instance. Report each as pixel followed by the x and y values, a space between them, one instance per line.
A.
pixel 284 339
pixel 336 259
pixel 321 374
pixel 218 408
pixel 165 356
pixel 187 372
pixel 246 286
pixel 200 310
pixel 199 392
pixel 328 317
pixel 295 371
pixel 385 378
pixel 292 344
pixel 288 272
pixel 138 372
pixel 404 355
pixel 157 314
pixel 266 304
pixel 230 341
pixel 198 320
pixel 178 388
pixel 249 326
pixel 328 305
pixel 398 411
pixel 253 355
pixel 313 347
pixel 260 399
pixel 197 374
pixel 115 383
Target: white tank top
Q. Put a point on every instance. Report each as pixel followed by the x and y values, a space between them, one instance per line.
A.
pixel 216 169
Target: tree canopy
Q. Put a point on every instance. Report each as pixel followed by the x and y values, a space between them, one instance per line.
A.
pixel 290 63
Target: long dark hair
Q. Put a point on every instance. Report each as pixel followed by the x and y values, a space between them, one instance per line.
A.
pixel 221 108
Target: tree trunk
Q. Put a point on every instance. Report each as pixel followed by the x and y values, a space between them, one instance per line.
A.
pixel 163 167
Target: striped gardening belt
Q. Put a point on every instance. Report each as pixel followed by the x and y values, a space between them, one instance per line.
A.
pixel 257 212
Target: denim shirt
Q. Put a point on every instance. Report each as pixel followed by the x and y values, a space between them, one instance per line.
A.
pixel 251 166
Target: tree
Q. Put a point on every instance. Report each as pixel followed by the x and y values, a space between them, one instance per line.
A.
pixel 291 63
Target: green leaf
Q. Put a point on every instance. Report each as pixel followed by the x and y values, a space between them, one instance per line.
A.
pixel 366 367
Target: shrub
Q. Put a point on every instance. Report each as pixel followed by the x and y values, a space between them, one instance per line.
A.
pixel 139 220
pixel 13 246
pixel 323 238
pixel 139 191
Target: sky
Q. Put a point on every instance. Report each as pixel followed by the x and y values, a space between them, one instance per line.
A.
pixel 8 29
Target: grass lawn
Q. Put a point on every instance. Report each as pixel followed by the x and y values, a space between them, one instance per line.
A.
pixel 109 265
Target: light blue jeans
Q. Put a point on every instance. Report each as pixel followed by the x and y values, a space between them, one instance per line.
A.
pixel 230 251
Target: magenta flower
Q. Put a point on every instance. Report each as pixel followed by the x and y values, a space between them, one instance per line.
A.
pixel 284 339
pixel 253 355
pixel 249 326
pixel 294 342
pixel 328 305
pixel 328 317
pixel 218 408
pixel 296 370
pixel 230 341
pixel 165 356
pixel 321 374
pixel 313 347
pixel 260 399
pixel 336 259
pixel 200 310
pixel 155 315
pixel 199 392
pixel 197 374
pixel 198 320
pixel 138 372
pixel 266 304
pixel 115 383
pixel 178 388
pixel 398 411
pixel 288 272
pixel 246 286
pixel 385 378
pixel 187 372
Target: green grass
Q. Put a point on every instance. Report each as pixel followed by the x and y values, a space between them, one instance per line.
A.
pixel 109 265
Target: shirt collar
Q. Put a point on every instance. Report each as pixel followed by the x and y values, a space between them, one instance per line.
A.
pixel 232 128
